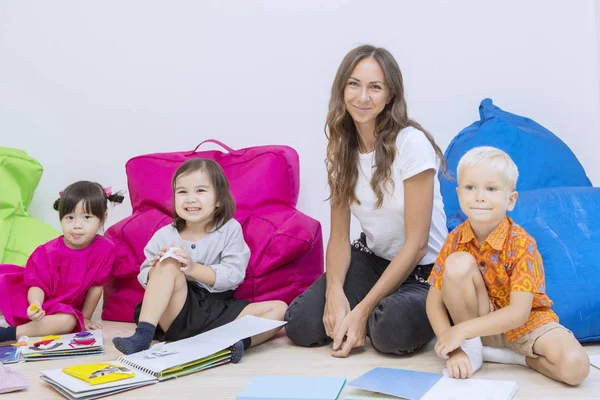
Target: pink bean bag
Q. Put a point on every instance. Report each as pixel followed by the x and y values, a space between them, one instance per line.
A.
pixel 286 246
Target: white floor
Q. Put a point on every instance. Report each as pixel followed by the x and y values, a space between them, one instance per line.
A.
pixel 280 357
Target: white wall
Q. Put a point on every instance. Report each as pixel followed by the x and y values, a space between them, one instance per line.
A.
pixel 85 86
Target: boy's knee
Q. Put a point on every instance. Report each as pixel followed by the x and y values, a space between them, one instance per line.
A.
pixel 459 265
pixel 574 367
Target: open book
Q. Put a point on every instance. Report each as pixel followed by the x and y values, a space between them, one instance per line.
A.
pixel 389 383
pixel 163 360
pixel 63 346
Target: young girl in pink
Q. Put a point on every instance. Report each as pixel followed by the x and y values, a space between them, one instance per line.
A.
pixel 193 292
pixel 59 288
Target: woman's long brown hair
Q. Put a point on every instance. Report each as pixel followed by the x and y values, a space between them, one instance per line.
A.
pixel 343 139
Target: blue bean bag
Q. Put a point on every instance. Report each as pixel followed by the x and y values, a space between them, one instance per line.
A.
pixel 565 223
pixel 542 158
pixel 556 205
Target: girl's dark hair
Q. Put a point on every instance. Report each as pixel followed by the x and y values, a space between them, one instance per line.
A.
pixel 226 206
pixel 91 193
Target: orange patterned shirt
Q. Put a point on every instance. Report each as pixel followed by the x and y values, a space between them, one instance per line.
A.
pixel 508 261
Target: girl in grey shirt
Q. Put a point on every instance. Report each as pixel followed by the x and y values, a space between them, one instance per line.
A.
pixel 192 291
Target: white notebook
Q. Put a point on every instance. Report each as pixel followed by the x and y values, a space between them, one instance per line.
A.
pixel 595 360
pixel 166 360
pixel 388 383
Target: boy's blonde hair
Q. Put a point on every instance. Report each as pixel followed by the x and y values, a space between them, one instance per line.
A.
pixel 493 158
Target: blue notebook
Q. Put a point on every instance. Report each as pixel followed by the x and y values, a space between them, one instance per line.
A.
pixel 381 383
pixel 293 388
pixel 9 355
pixel 402 383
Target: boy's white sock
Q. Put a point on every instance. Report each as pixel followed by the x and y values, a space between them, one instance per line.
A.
pixel 503 356
pixel 473 349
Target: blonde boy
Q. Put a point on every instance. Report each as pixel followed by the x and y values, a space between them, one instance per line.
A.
pixel 489 277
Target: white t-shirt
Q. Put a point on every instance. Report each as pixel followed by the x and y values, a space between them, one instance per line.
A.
pixel 384 227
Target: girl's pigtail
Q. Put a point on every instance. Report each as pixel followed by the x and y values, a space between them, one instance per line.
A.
pixel 56 203
pixel 116 197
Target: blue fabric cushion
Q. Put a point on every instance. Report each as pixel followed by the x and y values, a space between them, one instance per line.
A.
pixel 565 223
pixel 542 158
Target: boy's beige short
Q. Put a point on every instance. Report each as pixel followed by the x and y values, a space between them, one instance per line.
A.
pixel 524 344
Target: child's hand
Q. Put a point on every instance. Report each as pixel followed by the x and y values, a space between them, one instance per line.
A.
pixel 184 257
pixel 459 365
pixel 451 339
pixel 89 325
pixel 35 312
pixel 159 255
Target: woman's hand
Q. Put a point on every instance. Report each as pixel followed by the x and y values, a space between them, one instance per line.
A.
pixel 352 332
pixel 336 309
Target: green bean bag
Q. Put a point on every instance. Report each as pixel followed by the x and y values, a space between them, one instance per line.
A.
pixel 20 233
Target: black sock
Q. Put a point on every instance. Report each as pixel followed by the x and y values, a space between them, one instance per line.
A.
pixel 146 329
pixel 8 334
pixel 139 341
pixel 247 343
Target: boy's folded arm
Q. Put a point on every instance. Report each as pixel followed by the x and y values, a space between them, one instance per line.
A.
pixel 436 311
pixel 502 320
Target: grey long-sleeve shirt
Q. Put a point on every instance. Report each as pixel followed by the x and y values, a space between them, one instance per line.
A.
pixel 223 250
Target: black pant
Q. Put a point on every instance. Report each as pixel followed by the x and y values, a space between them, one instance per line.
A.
pixel 398 325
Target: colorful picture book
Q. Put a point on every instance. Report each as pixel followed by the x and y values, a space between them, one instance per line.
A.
pixel 293 388
pixel 10 355
pixel 63 346
pixel 416 385
pixel 161 362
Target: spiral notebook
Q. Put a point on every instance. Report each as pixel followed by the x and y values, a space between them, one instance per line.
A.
pixel 166 360
pixel 388 383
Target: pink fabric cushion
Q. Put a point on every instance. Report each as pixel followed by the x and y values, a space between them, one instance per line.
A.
pixel 286 245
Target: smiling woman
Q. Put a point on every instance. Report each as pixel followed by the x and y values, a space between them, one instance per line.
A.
pixel 382 168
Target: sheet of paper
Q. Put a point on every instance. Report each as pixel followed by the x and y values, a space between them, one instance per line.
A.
pixel 471 389
pixel 595 360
